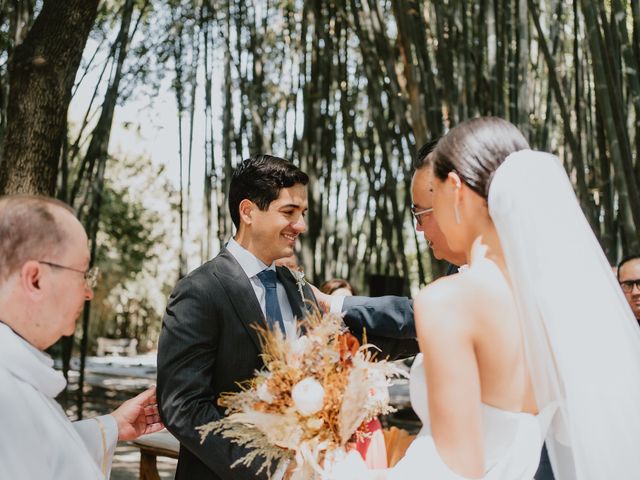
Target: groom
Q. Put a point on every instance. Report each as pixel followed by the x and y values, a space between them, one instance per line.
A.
pixel 208 342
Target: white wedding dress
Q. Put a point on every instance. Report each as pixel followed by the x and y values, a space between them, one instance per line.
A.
pixel 582 344
pixel 512 444
pixel 512 441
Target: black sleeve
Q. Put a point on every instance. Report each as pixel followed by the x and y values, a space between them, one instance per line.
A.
pixel 187 356
pixel 388 322
pixel 389 316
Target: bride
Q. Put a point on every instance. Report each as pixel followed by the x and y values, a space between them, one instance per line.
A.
pixel 533 342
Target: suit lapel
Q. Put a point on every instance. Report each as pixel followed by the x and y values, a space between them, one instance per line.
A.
pixel 241 294
pixel 298 306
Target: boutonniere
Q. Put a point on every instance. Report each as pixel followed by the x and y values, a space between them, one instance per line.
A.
pixel 298 275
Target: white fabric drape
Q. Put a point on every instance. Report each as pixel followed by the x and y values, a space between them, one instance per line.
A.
pixel 582 340
pixel 37 440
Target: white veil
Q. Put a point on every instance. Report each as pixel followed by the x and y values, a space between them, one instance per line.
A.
pixel 581 338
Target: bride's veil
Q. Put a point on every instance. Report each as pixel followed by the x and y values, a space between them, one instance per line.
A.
pixel 581 338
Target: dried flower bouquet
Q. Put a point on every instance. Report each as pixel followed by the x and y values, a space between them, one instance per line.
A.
pixel 316 391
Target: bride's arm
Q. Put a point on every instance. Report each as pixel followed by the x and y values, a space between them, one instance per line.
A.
pixel 444 323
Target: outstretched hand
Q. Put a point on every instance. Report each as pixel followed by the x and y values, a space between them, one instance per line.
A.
pixel 138 416
pixel 324 300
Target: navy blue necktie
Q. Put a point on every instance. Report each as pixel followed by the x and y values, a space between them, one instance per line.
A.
pixel 274 315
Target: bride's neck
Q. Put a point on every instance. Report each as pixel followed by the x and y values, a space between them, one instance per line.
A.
pixel 486 245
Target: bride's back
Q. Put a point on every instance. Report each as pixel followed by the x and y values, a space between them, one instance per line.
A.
pixel 478 307
pixel 502 367
pixel 470 337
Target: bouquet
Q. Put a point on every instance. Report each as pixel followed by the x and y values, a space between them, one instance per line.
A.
pixel 316 392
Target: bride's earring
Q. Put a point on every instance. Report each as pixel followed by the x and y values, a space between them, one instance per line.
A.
pixel 457 214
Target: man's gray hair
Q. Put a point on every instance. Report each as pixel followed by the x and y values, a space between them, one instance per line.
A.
pixel 28 230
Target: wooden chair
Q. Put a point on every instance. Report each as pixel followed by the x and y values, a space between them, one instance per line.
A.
pixel 151 446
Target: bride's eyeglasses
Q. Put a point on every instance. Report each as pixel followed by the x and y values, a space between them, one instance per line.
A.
pixel 418 214
pixel 627 285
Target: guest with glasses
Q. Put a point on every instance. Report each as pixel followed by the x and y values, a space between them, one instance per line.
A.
pixel 629 279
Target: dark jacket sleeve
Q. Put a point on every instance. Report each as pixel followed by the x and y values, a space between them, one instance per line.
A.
pixel 387 316
pixel 387 320
pixel 187 361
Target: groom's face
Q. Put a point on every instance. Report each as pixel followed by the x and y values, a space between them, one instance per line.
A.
pixel 275 230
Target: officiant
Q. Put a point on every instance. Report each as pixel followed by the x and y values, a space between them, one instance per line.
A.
pixel 44 282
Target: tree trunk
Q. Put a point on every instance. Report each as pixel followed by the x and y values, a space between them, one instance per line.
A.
pixel 41 76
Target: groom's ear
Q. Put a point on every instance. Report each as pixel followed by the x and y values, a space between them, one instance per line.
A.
pixel 246 208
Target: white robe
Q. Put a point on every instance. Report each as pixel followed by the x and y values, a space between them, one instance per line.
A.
pixel 37 440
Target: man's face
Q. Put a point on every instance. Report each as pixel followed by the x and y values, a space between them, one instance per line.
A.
pixel 274 231
pixel 67 290
pixel 630 272
pixel 421 195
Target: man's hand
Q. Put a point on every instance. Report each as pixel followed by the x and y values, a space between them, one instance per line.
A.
pixel 138 416
pixel 324 300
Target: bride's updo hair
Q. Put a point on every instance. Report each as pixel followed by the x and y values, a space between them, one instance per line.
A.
pixel 474 149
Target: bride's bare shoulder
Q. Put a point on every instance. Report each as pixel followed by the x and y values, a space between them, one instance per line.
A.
pixel 457 299
pixel 440 302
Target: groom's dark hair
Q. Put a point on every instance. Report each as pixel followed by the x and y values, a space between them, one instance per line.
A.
pixel 260 179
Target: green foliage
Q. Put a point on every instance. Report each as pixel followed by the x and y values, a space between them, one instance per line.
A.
pixel 126 233
pixel 133 240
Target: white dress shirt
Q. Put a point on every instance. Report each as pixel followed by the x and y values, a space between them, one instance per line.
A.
pixel 252 266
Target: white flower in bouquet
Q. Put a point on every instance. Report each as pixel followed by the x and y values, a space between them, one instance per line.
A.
pixel 315 423
pixel 379 389
pixel 264 394
pixel 297 349
pixel 308 396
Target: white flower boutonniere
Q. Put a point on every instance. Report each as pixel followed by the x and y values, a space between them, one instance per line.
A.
pixel 300 281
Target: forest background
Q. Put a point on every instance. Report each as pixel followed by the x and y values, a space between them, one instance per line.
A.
pixel 136 111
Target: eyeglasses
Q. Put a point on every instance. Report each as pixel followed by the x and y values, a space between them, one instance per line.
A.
pixel 418 215
pixel 627 285
pixel 90 276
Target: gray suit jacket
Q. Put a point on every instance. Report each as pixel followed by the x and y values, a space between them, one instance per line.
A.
pixel 207 345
